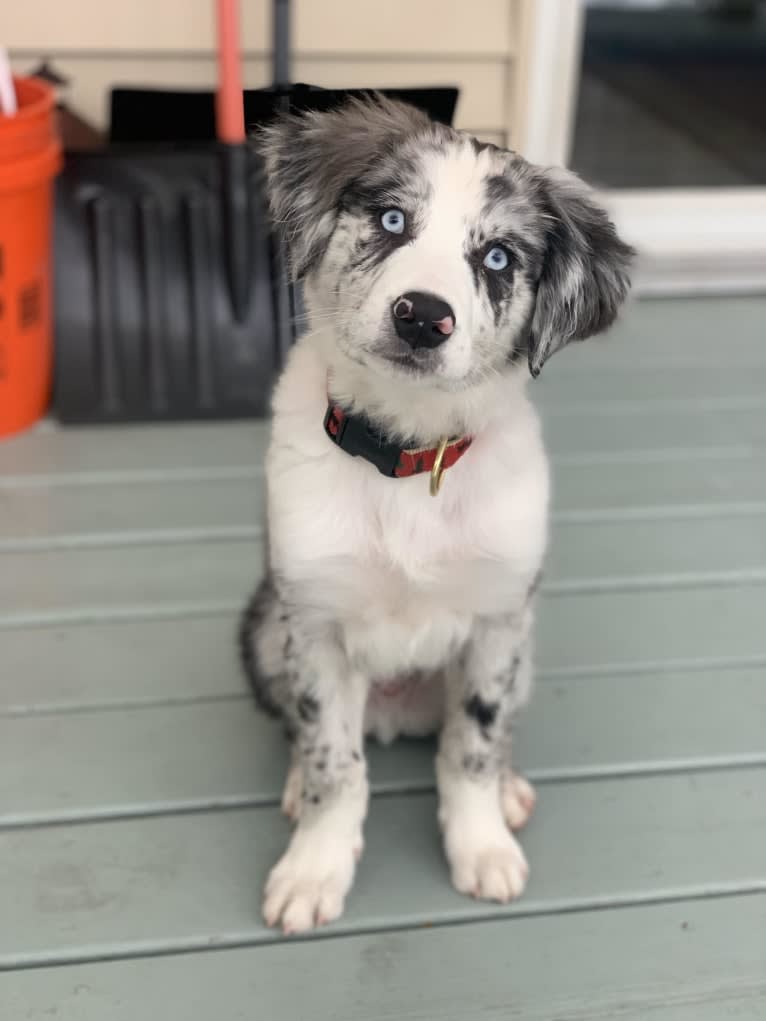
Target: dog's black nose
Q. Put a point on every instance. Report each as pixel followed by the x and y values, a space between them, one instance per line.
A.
pixel 422 320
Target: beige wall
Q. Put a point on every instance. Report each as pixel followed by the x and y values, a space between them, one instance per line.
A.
pixel 469 43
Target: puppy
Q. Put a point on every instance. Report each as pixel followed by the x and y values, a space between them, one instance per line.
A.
pixel 407 481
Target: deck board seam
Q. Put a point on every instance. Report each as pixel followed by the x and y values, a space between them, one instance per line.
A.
pixel 253 471
pixel 232 803
pixel 122 538
pixel 549 675
pixel 739 578
pixel 86 955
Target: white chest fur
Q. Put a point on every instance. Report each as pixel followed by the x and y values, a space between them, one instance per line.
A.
pixel 402 573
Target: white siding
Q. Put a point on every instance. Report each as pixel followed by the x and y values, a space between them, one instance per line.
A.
pixel 99 43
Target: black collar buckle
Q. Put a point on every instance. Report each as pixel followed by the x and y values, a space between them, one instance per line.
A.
pixel 357 436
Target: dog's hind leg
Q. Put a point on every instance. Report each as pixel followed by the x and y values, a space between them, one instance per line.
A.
pixel 517 795
pixel 263 639
pixel 517 798
pixel 263 634
pixel 292 795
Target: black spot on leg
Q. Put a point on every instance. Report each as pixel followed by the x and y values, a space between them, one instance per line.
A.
pixel 482 712
pixel 315 799
pixel 474 765
pixel 308 708
pixel 513 672
pixel 356 756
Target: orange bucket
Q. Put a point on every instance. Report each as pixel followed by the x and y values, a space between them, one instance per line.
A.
pixel 30 157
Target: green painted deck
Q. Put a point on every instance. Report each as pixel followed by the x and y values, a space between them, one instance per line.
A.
pixel 139 787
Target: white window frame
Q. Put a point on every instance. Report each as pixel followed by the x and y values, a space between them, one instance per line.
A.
pixel 689 239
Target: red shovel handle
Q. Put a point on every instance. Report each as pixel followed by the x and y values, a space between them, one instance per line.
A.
pixel 229 111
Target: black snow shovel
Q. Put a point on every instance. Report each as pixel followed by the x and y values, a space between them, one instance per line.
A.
pixel 171 299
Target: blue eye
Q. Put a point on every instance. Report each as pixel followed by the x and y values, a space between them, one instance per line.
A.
pixel 392 221
pixel 496 258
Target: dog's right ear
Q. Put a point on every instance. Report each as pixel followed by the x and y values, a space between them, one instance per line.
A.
pixel 311 158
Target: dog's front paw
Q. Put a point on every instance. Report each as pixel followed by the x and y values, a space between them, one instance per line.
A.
pixel 491 870
pixel 485 859
pixel 308 885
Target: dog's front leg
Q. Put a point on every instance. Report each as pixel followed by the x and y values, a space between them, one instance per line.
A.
pixel 479 796
pixel 308 885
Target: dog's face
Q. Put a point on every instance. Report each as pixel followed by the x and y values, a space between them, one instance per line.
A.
pixel 435 255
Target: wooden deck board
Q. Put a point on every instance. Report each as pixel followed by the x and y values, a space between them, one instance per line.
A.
pixel 158 884
pixel 39 518
pixel 173 652
pixel 138 787
pixel 600 556
pixel 646 385
pixel 629 724
pixel 667 962
pixel 136 455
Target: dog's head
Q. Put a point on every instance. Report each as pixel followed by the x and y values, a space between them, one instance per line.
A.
pixel 432 253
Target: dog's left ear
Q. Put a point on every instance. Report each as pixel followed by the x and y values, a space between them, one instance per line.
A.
pixel 584 277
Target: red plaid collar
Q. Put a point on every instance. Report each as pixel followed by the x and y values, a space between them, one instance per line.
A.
pixel 357 436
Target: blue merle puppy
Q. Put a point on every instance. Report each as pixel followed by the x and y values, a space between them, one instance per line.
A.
pixel 407 481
